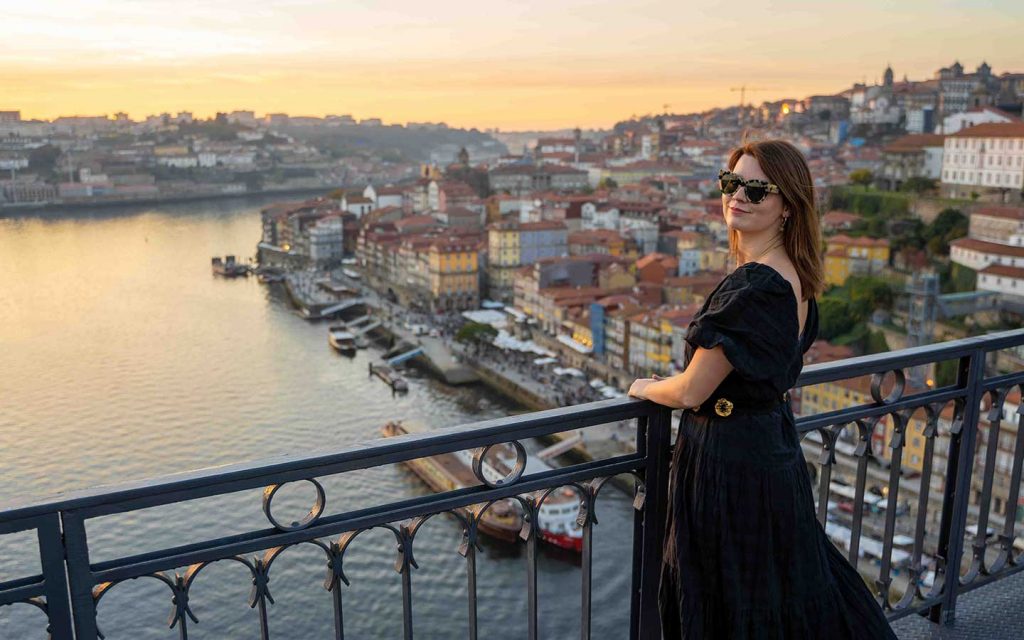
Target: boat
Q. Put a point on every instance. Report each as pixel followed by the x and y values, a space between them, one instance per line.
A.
pixel 351 274
pixel 343 340
pixel 389 375
pixel 450 471
pixel 228 267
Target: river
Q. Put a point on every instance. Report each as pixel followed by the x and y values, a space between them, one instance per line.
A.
pixel 122 358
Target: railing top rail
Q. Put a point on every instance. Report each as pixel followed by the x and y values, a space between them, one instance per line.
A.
pixel 862 365
pixel 279 469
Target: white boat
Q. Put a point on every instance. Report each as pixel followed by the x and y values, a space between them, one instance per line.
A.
pixel 343 340
pixel 351 274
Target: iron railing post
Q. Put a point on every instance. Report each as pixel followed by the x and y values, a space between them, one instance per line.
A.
pixel 83 605
pixel 657 441
pixel 51 555
pixel 957 492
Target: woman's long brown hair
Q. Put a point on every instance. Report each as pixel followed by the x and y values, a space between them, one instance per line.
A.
pixel 786 167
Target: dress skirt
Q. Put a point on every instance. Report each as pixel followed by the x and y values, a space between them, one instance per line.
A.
pixel 745 555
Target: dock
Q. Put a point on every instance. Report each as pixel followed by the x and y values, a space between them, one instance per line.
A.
pixel 390 376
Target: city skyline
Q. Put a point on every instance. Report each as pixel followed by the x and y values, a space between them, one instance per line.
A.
pixel 543 67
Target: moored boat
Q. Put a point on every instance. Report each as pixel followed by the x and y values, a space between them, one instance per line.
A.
pixel 228 267
pixel 343 340
pixel 389 375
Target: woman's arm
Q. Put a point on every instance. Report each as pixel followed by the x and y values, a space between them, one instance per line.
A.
pixel 705 371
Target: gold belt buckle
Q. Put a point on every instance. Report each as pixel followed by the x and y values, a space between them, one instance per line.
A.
pixel 723 407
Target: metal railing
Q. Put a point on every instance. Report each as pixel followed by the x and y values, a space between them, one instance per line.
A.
pixel 70 586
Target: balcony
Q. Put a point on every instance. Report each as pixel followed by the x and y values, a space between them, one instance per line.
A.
pixel 976 591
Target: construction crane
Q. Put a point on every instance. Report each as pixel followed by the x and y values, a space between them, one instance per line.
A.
pixel 743 92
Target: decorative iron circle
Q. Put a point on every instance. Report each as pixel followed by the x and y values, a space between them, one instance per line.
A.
pixel 897 391
pixel 513 474
pixel 314 514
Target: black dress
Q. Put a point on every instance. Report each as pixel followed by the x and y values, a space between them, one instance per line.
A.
pixel 746 556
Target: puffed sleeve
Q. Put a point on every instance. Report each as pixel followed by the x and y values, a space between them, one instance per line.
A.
pixel 754 318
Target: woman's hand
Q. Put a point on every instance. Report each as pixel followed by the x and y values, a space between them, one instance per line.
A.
pixel 636 390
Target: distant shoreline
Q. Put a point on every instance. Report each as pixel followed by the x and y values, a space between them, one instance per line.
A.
pixel 27 210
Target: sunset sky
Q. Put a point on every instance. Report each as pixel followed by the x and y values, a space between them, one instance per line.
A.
pixel 527 64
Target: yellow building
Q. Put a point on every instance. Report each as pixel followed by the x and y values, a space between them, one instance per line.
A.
pixel 847 256
pixel 650 339
pixel 453 269
pixel 502 259
pixel 843 394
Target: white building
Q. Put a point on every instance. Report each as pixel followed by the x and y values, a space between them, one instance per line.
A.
pixel 597 216
pixel 911 156
pixel 689 260
pixel 179 162
pixel 973 117
pixel 326 240
pixel 978 254
pixel 985 157
pixel 643 232
pixel 1008 281
pixel 999 224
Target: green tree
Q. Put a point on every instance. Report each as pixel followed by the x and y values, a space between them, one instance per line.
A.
pixel 962 278
pixel 918 184
pixel 862 177
pixel 608 183
pixel 476 332
pixel 834 318
pixel 876 343
pixel 867 293
pixel 876 228
pixel 945 373
pixel 949 225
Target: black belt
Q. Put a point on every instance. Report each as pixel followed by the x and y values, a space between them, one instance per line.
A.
pixel 724 407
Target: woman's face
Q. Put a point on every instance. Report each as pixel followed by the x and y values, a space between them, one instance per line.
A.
pixel 743 215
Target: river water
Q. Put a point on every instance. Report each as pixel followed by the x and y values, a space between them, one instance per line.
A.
pixel 122 358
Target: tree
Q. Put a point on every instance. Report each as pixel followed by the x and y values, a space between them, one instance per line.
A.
pixel 608 183
pixel 834 318
pixel 949 225
pixel 862 177
pixel 918 184
pixel 945 373
pixel 867 293
pixel 476 332
pixel 876 343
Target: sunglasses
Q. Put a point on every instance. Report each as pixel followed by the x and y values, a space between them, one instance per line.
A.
pixel 756 190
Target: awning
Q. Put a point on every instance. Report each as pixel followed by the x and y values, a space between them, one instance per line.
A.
pixel 572 344
pixel 496 319
pixel 516 313
pixel 569 371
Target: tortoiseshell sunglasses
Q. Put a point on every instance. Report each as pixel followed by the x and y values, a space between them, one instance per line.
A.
pixel 756 190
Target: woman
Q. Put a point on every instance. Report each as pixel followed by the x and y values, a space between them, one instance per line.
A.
pixel 745 556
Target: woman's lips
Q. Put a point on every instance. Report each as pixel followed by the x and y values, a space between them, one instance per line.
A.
pixel 735 210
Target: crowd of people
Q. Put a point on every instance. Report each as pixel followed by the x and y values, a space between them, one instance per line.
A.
pixel 541 379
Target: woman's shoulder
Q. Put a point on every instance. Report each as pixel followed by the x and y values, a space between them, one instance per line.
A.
pixel 759 275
